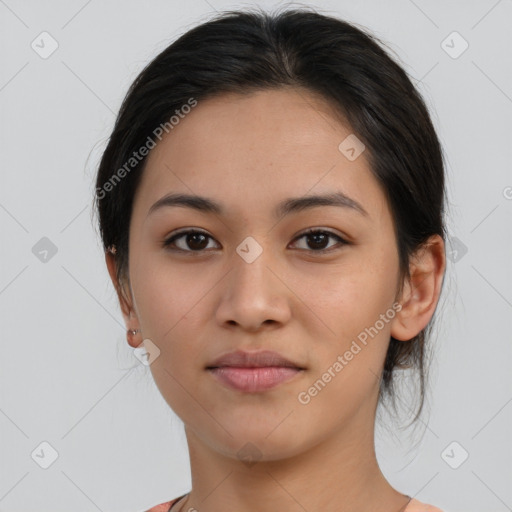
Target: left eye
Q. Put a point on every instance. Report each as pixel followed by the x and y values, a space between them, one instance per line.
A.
pixel 197 241
pixel 319 238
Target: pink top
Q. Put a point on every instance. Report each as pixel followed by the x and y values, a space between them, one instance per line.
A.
pixel 413 506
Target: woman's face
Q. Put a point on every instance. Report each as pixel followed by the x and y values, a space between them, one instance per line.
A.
pixel 255 282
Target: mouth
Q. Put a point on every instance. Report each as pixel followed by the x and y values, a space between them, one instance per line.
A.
pixel 253 372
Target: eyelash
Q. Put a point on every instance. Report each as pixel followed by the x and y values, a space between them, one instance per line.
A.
pixel 167 244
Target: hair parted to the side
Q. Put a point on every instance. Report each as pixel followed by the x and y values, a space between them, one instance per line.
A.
pixel 250 50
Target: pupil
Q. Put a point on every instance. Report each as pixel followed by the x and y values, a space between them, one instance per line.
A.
pixel 316 238
pixel 192 239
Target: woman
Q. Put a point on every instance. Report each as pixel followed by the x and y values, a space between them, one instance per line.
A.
pixel 271 203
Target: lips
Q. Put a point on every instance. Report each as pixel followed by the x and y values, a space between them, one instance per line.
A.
pixel 261 359
pixel 253 371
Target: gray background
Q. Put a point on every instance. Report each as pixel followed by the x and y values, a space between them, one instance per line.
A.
pixel 67 375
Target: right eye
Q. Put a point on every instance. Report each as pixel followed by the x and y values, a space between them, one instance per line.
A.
pixel 194 239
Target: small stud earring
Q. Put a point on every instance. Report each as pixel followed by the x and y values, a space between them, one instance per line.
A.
pixel 133 332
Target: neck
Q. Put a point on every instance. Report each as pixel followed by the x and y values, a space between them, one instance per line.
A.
pixel 339 474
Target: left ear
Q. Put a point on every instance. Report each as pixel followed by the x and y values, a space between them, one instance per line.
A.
pixel 421 292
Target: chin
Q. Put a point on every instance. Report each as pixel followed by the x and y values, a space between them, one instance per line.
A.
pixel 251 442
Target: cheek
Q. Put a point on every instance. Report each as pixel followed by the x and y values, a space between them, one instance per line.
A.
pixel 355 303
pixel 353 296
pixel 347 365
pixel 169 307
pixel 165 298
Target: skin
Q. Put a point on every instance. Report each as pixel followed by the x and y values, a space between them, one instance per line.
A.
pixel 249 153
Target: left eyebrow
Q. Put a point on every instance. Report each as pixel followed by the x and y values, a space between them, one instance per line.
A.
pixel 286 207
pixel 303 203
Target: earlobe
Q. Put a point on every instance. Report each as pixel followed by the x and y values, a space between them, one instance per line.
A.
pixel 421 292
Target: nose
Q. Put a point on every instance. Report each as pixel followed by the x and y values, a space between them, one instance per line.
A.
pixel 254 295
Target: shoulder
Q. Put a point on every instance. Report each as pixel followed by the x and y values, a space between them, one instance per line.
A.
pixel 413 506
pixel 418 506
pixel 163 507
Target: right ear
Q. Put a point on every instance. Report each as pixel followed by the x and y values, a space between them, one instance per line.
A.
pixel 124 301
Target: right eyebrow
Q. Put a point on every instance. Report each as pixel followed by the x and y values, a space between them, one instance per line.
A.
pixel 202 204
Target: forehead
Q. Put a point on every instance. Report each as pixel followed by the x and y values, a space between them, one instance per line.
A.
pixel 266 121
pixel 255 148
